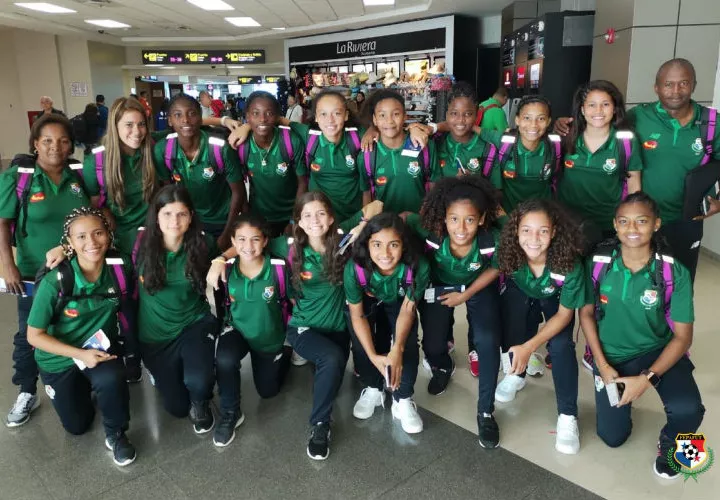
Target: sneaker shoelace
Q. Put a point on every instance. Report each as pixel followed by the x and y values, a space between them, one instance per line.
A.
pixel 319 434
pixel 473 356
pixel 22 404
pixel 365 396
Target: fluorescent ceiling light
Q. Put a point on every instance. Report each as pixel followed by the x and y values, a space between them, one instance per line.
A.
pixel 154 65
pixel 236 67
pixel 370 3
pixel 168 67
pixel 107 23
pixel 243 22
pixel 46 7
pixel 279 29
pixel 211 4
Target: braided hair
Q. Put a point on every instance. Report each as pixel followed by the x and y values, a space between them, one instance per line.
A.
pixel 74 215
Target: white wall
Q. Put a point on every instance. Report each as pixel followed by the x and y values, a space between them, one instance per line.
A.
pixel 74 67
pixel 106 63
pixel 38 70
pixel 13 139
pixel 711 238
pixel 490 30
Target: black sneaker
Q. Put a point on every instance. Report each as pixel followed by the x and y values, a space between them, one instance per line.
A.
pixel 133 369
pixel 662 466
pixel 548 361
pixel 201 416
pixel 122 449
pixel 440 379
pixel 488 431
pixel 225 430
pixel 318 447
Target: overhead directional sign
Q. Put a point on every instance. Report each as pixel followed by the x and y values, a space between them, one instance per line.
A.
pixel 194 56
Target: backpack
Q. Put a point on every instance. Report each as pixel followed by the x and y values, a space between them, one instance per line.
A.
pixel 26 171
pixel 66 276
pixel 663 278
pixel 707 123
pixel 286 149
pixel 485 243
pixel 352 139
pixel 215 155
pixel 558 280
pixel 423 160
pixel 365 284
pixel 481 112
pixel 280 280
pixel 553 155
pixel 80 128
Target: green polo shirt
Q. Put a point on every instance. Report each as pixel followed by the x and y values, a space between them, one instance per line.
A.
pixel 128 219
pixel 163 315
pixel 255 308
pixel 633 321
pixel 470 154
pixel 79 320
pixel 209 190
pixel 573 292
pixel 399 180
pixel 334 170
pixel 48 204
pixel 526 174
pixel 494 118
pixel 273 186
pixel 390 289
pixel 591 184
pixel 669 151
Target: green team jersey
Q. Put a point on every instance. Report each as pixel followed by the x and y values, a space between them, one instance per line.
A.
pixel 334 170
pixel 209 190
pixel 633 315
pixel 127 219
pixel 524 174
pixel 47 205
pixel 592 183
pixel 79 320
pixel 669 151
pixel 390 289
pixel 400 179
pixel 274 183
pixel 573 291
pixel 255 309
pixel 452 154
pixel 493 118
pixel 164 314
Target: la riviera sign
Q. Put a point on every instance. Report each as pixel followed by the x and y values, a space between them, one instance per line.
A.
pixel 365 47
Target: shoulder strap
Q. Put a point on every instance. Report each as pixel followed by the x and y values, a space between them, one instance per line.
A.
pixel 171 153
pixel 602 262
pixel 486 243
pixel 708 121
pixel 489 159
pixel 22 191
pixel 553 147
pixel 117 269
pixel 431 244
pixel 360 275
pixel 66 278
pixel 279 268
pixel 243 151
pixel 286 147
pixel 558 279
pixel 424 159
pixel 136 246
pixel 624 148
pixel 408 277
pixel 216 158
pixel 99 153
pixel 666 280
pixel 369 160
pixel 312 144
pixel 352 138
pixel 506 148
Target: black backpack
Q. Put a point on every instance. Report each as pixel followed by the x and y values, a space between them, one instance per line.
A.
pixel 80 128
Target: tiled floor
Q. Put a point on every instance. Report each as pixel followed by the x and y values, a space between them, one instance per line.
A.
pixel 370 459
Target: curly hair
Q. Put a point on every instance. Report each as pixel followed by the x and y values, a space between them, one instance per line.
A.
pixel 579 124
pixel 44 121
pixel 152 254
pixel 460 90
pixel 74 215
pixel 252 220
pixel 473 188
pixel 261 94
pixel 386 220
pixel 374 99
pixel 194 103
pixel 333 262
pixel 565 247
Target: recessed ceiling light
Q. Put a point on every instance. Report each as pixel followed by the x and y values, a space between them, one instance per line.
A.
pixel 243 22
pixel 107 23
pixel 46 7
pixel 211 4
pixel 370 3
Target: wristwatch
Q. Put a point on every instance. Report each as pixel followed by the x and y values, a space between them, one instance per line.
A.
pixel 654 379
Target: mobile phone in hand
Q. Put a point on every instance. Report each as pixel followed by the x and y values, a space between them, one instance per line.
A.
pixel 388 371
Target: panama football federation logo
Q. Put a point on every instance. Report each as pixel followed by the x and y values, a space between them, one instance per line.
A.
pixel 697 146
pixel 610 165
pixel 649 298
pixel 473 164
pixel 546 172
pixel 208 173
pixel 349 161
pixel 413 168
pixel 282 169
pixel 75 189
pixel 691 456
pixel 269 292
pixel 474 266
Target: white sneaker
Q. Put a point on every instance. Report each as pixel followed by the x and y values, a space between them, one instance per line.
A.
pixel 535 366
pixel 20 412
pixel 405 410
pixel 369 399
pixel 508 387
pixel 297 360
pixel 567 439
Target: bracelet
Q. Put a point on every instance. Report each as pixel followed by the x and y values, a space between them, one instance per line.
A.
pixel 363 219
pixel 434 127
pixel 219 259
pixel 222 121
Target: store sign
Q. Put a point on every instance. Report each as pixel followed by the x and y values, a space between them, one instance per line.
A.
pixel 203 57
pixel 364 47
pixel 250 80
pixel 273 79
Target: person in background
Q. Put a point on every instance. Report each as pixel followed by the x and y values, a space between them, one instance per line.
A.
pixel 240 104
pixel 144 101
pixel 294 112
pixel 490 113
pixel 355 105
pixel 103 113
pixel 210 107
pixel 230 109
pixel 46 108
pixel 92 127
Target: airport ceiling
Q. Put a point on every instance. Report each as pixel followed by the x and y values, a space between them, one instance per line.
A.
pixel 179 22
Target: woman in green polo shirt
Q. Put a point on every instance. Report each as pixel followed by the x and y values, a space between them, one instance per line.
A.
pixel 640 332
pixel 176 330
pixel 196 161
pixel 257 303
pixel 540 256
pixel 37 191
pixel 383 283
pixel 598 170
pixel 76 337
pixel 458 221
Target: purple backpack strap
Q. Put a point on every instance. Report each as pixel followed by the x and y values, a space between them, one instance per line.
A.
pixel 23 182
pixel 136 246
pixel 558 279
pixel 360 274
pixel 408 276
pixel 487 168
pixel 285 134
pixel 312 143
pixel 243 156
pixel 712 122
pixel 99 153
pixel 170 144
pixel 226 288
pixel 667 274
pixel 556 144
pixel 354 138
pixel 628 151
pixel 367 156
pixel 426 167
pixel 279 266
pixel 216 146
pixel 116 265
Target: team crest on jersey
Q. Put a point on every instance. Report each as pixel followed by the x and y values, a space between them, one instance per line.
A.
pixel 315 167
pixel 509 174
pixel 474 266
pixel 569 164
pixel 413 168
pixel 697 146
pixel 306 275
pixel 610 165
pixel 548 290
pixel 649 298
pixel 381 181
pixel 650 144
pixel 269 292
pixel 37 197
pixel 75 189
pixel 208 173
pixel 177 178
pixel 473 164
pixel 443 163
pixel 546 171
pixel 401 292
pixel 349 161
pixel 282 168
pixel 71 313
